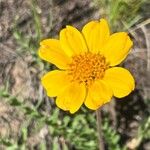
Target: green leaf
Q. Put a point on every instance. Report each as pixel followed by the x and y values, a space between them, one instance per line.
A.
pixel 14 101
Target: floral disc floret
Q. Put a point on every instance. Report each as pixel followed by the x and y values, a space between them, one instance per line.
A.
pixel 87 68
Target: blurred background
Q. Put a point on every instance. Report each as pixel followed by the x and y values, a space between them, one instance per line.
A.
pixel 31 120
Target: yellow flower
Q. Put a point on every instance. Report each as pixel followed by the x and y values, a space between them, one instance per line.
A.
pixel 86 63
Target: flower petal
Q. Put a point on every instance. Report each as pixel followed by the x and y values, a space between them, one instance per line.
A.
pixel 54 82
pixel 117 48
pixel 96 34
pixel 72 41
pixel 120 80
pixel 72 97
pixel 99 94
pixel 51 51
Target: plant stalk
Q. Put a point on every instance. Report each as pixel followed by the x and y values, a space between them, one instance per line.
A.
pixel 99 129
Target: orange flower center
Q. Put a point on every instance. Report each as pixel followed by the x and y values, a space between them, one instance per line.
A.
pixel 87 67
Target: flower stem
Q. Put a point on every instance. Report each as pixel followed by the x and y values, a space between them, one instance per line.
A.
pixel 99 128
